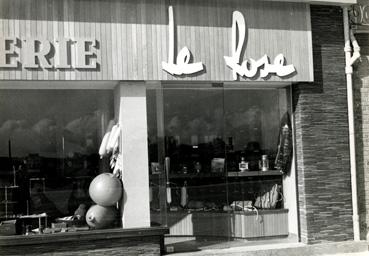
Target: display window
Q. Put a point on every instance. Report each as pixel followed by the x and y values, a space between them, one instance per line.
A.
pixel 221 153
pixel 49 155
pixel 218 158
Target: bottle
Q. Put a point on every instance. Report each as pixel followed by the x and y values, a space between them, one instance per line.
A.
pixel 243 165
pixel 184 195
pixel 230 144
pixel 197 167
pixel 264 163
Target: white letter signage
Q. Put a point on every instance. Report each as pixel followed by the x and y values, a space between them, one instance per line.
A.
pixel 183 58
pixel 249 68
pixel 8 52
pixel 36 49
pixel 85 53
pixel 61 53
pixel 37 53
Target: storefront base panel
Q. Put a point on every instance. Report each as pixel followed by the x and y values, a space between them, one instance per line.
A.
pixel 102 242
pixel 265 223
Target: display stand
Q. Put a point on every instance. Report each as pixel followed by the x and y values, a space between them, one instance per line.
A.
pixel 31 217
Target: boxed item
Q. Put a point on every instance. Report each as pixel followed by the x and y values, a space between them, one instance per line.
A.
pixel 8 227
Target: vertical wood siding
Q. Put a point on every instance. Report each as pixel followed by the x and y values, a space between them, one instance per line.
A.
pixel 133 35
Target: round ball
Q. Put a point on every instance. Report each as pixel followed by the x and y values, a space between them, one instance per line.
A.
pixel 100 216
pixel 105 189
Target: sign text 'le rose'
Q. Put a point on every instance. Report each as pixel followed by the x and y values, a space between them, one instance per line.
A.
pixel 248 68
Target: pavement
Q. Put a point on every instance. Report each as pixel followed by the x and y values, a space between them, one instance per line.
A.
pixel 218 252
pixel 278 247
pixel 348 254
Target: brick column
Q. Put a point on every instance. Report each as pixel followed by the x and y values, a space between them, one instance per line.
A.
pixel 322 152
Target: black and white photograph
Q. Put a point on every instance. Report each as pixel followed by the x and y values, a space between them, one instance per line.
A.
pixel 184 127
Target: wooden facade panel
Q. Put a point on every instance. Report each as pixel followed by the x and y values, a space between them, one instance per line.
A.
pixel 133 36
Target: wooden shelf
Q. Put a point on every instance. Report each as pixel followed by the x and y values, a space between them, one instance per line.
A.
pixel 232 212
pixel 222 174
pixel 255 173
pixel 9 187
pixel 8 202
pixel 196 175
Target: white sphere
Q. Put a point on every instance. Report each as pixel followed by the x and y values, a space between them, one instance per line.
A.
pixel 100 216
pixel 105 189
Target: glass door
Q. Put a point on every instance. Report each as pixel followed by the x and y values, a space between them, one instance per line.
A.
pixel 212 152
pixel 189 146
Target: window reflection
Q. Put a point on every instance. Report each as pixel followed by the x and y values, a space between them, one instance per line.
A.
pixel 49 141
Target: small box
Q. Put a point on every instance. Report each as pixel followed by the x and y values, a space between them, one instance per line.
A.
pixel 8 227
pixel 56 225
pixel 217 165
pixel 155 168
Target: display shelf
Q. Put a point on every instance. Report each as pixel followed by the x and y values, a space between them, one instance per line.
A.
pixel 8 187
pixel 196 175
pixel 192 175
pixel 221 175
pixel 230 212
pixel 255 173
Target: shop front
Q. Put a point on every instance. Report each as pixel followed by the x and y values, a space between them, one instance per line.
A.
pixel 224 128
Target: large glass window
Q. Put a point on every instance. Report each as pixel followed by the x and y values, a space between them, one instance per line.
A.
pixel 216 147
pixel 49 144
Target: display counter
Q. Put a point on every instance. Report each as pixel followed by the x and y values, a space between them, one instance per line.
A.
pixel 264 223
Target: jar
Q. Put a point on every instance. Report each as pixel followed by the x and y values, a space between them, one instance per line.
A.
pixel 264 163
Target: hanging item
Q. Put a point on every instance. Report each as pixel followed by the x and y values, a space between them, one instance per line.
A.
pixel 100 216
pixel 169 195
pixel 184 196
pixel 269 199
pixel 284 151
pixel 105 189
pixel 103 147
pixel 110 145
pixel 167 169
pixel 113 138
pixel 118 166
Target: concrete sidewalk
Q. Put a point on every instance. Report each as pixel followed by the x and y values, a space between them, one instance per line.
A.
pixel 348 254
pixel 287 249
pixel 246 254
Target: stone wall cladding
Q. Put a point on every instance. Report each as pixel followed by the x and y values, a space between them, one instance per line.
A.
pixel 322 143
pixel 361 98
